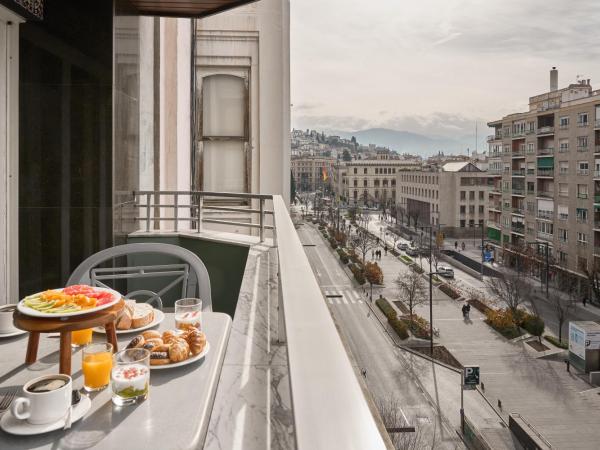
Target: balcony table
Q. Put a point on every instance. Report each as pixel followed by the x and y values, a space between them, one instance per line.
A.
pixel 175 415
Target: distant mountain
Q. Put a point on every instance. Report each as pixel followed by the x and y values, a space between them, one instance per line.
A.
pixel 407 142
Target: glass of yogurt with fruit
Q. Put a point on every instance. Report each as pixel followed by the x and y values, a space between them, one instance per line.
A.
pixel 188 312
pixel 130 376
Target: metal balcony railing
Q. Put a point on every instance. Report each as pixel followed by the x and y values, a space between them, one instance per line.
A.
pixel 596 198
pixel 545 194
pixel 597 148
pixel 518 211
pixel 495 206
pixel 583 171
pixel 518 153
pixel 545 130
pixel 517 134
pixel 494 137
pixel 582 148
pixel 581 219
pixel 517 191
pixel 582 195
pixel 544 236
pixel 546 151
pixel 548 215
pixel 518 228
pixel 493 224
pixel 530 171
pixel 596 250
pixel 518 172
pixel 597 123
pixel 545 172
pixel 597 224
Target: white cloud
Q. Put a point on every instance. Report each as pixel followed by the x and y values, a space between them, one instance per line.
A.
pixel 435 65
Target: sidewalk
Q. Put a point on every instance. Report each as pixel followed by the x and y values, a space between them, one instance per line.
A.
pixel 559 405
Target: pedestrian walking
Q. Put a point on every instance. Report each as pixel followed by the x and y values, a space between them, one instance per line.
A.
pixel 584 301
pixel 455 245
pixel 372 254
pixel 463 246
pixel 385 249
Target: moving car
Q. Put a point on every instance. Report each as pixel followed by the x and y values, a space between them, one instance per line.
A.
pixel 403 246
pixel 445 271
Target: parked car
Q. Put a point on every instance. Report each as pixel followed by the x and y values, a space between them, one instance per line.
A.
pixel 403 246
pixel 411 251
pixel 445 271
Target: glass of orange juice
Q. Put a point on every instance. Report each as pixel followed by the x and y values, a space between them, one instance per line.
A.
pixel 81 337
pixel 96 365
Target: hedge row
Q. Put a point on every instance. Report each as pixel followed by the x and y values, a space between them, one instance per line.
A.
pixel 406 259
pixel 343 256
pixel 416 268
pixel 333 243
pixel 385 307
pixel 358 274
pixel 556 342
pixel 449 291
pixel 397 325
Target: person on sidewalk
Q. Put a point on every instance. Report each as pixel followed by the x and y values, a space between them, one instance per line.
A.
pixel 455 245
pixel 372 254
pixel 463 246
pixel 385 249
pixel 584 300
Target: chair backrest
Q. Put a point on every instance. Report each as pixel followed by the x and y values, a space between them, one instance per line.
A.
pixel 191 272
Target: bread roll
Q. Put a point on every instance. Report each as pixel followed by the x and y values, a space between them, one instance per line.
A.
pixel 151 334
pixel 159 358
pixel 196 340
pixel 179 350
pixel 168 336
pixel 137 342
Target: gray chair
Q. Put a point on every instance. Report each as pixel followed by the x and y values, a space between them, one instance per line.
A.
pixel 191 273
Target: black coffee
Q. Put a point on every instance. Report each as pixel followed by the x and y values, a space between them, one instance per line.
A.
pixel 47 385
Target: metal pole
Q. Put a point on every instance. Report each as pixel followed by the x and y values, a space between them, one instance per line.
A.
pixel 430 297
pixel 462 408
pixel 547 270
pixel 482 254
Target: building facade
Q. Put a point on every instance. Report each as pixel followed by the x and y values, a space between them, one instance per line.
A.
pixel 546 167
pixel 313 173
pixel 453 198
pixel 371 182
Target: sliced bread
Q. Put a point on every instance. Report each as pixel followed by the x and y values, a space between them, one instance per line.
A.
pixel 124 321
pixel 143 314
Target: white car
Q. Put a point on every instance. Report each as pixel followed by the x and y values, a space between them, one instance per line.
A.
pixel 445 271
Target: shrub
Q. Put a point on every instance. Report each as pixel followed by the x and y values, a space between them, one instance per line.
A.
pixel 373 273
pixel 416 268
pixel 394 252
pixel 399 327
pixel 340 237
pixel 358 274
pixel 406 259
pixel 385 307
pixel 449 291
pixel 533 324
pixel 343 256
pixel 333 243
pixel 321 227
pixel 556 342
pixel 503 322
pixel 354 257
pixel 418 326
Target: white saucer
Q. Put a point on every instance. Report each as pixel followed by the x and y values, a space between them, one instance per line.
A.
pixel 11 425
pixel 17 332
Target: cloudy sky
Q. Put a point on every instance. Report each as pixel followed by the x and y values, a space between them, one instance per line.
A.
pixel 433 66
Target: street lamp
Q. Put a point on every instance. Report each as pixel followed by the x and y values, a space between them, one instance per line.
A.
pixel 430 287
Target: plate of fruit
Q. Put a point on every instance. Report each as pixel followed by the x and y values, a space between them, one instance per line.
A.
pixel 70 301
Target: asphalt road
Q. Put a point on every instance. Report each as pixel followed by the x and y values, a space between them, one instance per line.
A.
pixel 370 348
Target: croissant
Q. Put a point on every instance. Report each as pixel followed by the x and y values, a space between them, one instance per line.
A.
pixel 196 340
pixel 179 350
pixel 168 336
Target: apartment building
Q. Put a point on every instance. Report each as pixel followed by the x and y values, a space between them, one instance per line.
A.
pixel 312 173
pixel 546 167
pixel 371 182
pixel 453 198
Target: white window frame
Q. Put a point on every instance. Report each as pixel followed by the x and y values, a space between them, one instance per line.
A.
pixel 9 151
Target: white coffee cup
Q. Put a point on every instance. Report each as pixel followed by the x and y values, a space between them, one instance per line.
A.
pixel 43 407
pixel 6 318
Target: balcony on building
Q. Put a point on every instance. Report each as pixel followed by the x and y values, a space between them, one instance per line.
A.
pixel 518 227
pixel 495 137
pixel 545 151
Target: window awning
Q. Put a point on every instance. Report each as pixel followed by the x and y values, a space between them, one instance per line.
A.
pixel 177 8
pixel 545 163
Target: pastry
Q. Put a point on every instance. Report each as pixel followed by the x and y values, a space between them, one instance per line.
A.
pixel 161 348
pixel 148 347
pixel 168 336
pixel 159 358
pixel 179 350
pixel 196 340
pixel 152 334
pixel 137 342
pixel 155 342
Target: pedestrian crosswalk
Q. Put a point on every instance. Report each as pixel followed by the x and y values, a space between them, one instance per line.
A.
pixel 342 296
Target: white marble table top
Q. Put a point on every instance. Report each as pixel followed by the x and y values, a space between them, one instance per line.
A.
pixel 175 416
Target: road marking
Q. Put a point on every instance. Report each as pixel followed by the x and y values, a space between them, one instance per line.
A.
pixel 330 301
pixel 339 302
pixel 360 301
pixel 344 300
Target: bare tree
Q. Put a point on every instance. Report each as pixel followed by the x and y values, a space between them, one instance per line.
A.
pixel 390 410
pixel 510 289
pixel 395 238
pixel 593 276
pixel 562 298
pixel 411 288
pixel 362 242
